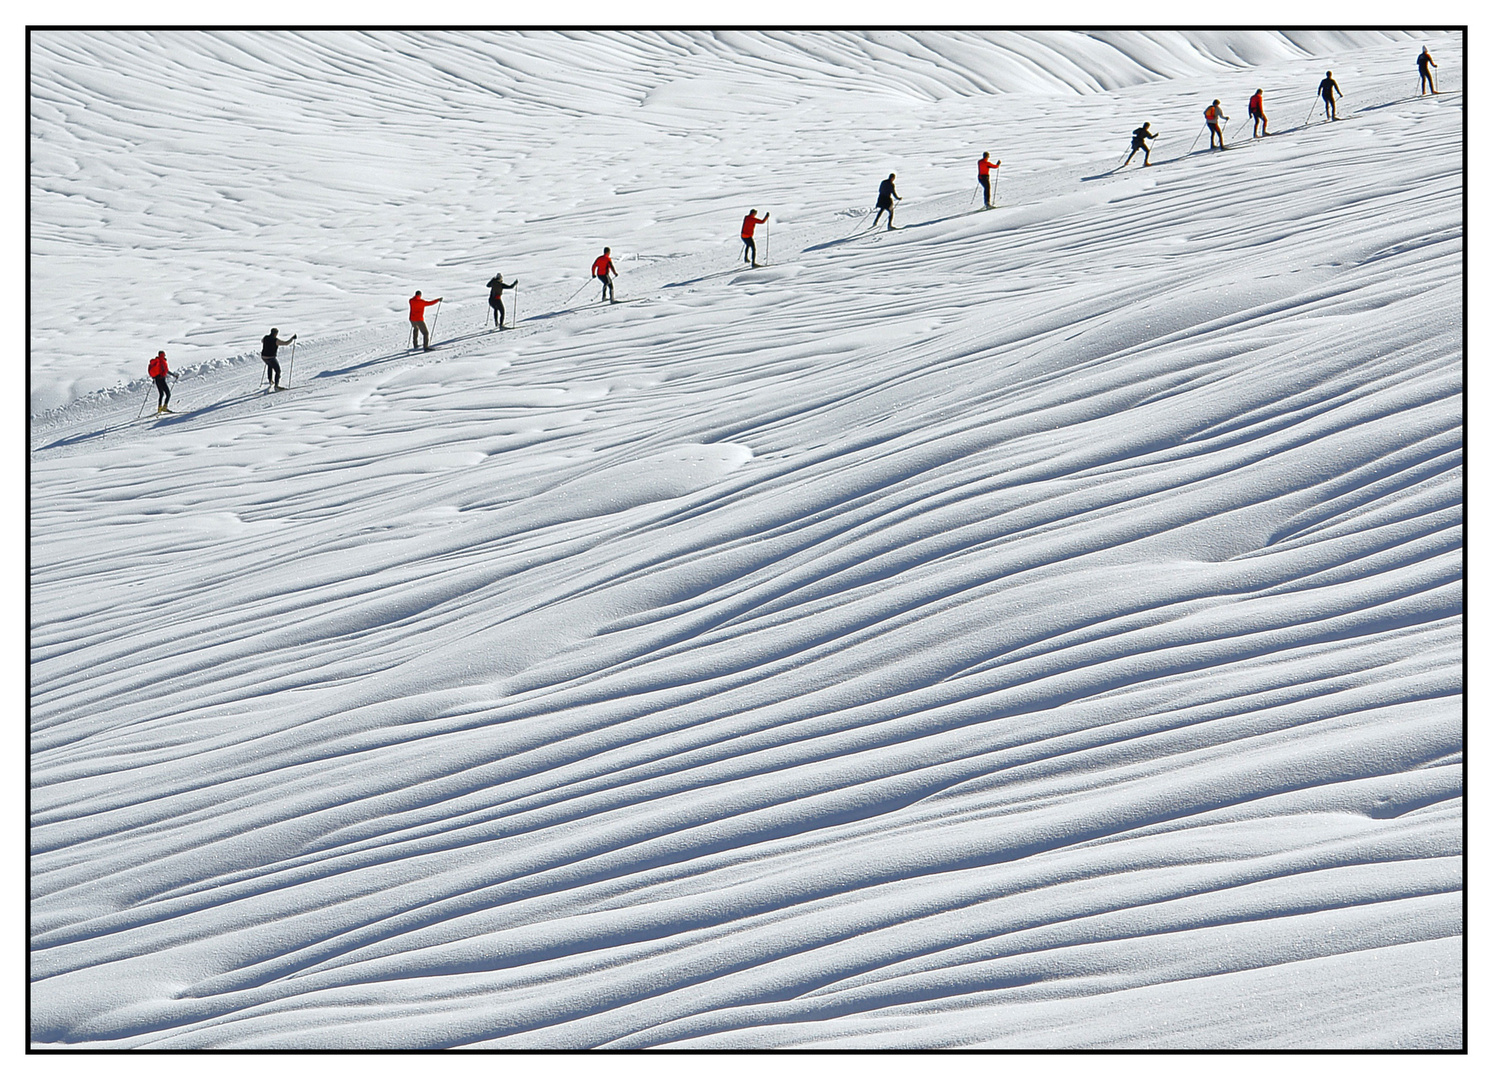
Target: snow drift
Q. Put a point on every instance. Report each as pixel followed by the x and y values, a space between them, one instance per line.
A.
pixel 1035 628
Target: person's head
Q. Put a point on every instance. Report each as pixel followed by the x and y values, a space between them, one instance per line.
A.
pixel 1259 91
pixel 1215 101
pixel 606 251
pixel 986 154
pixel 417 292
pixel 1147 125
pixel 274 329
pixel 754 211
pixel 161 355
pixel 1329 74
pixel 891 176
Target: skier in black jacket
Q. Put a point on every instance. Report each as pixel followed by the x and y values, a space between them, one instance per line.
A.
pixel 884 198
pixel 495 298
pixel 1425 63
pixel 268 348
pixel 1326 88
pixel 1138 139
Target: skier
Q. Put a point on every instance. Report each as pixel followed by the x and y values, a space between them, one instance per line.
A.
pixel 1138 139
pixel 495 298
pixel 884 197
pixel 418 328
pixel 268 348
pixel 983 166
pixel 1214 115
pixel 605 269
pixel 159 371
pixel 1326 88
pixel 1257 114
pixel 748 230
pixel 1425 63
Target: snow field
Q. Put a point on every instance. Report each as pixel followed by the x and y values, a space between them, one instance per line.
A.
pixel 1030 628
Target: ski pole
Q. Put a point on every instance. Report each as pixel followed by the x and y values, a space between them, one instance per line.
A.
pixel 291 369
pixel 432 325
pixel 144 403
pixel 263 371
pixel 1309 112
pixel 515 307
pixel 996 185
pixel 766 241
pixel 1196 137
pixel 581 289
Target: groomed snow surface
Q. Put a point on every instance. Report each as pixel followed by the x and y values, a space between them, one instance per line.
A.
pixel 1036 628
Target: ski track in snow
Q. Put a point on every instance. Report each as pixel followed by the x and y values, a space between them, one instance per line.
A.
pixel 1031 628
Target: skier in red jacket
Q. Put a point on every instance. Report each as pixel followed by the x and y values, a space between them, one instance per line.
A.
pixel 417 319
pixel 748 230
pixel 1257 113
pixel 983 168
pixel 159 371
pixel 605 269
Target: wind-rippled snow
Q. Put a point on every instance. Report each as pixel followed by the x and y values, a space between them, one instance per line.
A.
pixel 1031 628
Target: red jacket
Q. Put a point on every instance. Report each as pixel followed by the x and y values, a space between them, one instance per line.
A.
pixel 158 366
pixel 986 165
pixel 1256 106
pixel 602 266
pixel 749 226
pixel 418 304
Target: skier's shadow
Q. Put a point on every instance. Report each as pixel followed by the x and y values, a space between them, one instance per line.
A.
pixel 708 277
pixel 587 306
pixel 82 437
pixel 334 372
pixel 171 419
pixel 842 240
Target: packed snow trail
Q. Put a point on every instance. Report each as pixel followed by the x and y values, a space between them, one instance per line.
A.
pixel 1039 627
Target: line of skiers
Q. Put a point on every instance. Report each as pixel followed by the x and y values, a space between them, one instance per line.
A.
pixel 605 270
pixel 1213 116
pixel 159 370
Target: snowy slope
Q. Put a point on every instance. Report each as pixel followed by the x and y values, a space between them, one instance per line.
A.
pixel 1031 628
pixel 187 188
